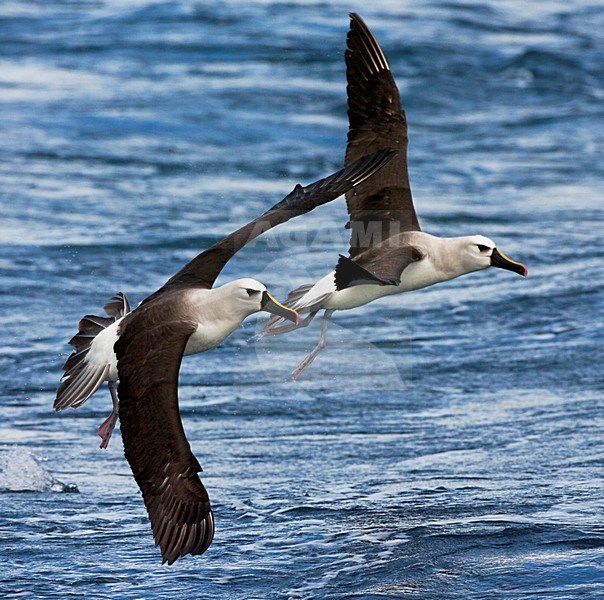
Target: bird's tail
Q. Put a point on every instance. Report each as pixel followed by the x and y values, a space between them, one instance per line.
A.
pixel 82 378
pixel 304 300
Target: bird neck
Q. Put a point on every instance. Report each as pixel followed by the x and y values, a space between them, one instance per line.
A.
pixel 451 257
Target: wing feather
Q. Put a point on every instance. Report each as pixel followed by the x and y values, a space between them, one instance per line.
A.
pixel 381 265
pixel 382 205
pixel 149 352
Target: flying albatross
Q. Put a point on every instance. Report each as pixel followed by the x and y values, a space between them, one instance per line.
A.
pixel 144 348
pixel 388 254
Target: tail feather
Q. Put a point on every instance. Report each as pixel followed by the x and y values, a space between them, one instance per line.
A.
pixel 76 388
pixel 292 299
pixel 296 294
pixel 295 300
pixel 75 359
pixel 82 379
pixel 118 306
pixel 88 328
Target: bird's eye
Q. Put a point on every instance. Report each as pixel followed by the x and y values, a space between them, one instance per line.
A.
pixel 482 248
pixel 251 292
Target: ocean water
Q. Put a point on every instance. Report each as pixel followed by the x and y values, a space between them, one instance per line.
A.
pixel 447 443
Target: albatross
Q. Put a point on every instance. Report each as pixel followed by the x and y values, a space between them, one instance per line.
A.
pixel 143 348
pixel 388 254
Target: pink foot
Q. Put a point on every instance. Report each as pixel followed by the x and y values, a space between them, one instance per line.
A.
pixel 106 429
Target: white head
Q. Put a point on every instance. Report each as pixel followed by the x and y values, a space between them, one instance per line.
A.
pixel 247 296
pixel 479 252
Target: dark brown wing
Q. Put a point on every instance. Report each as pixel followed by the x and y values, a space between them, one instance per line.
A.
pixel 203 270
pixel 149 353
pixel 381 206
pixel 380 265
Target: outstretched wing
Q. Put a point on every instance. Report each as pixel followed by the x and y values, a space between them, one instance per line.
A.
pixel 203 270
pixel 381 206
pixel 149 353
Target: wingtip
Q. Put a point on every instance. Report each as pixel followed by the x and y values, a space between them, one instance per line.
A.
pixel 356 19
pixel 195 541
pixel 373 163
pixel 361 43
pixel 386 156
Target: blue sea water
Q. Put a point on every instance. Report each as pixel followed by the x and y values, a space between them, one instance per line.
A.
pixel 447 443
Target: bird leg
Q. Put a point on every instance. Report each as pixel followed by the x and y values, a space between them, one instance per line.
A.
pixel 305 322
pixel 108 425
pixel 320 345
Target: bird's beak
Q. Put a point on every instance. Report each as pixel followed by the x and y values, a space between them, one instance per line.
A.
pixel 269 304
pixel 499 259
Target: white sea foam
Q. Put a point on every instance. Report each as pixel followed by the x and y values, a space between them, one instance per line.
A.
pixel 21 471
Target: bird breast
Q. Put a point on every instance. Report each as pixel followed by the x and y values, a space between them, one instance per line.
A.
pixel 208 335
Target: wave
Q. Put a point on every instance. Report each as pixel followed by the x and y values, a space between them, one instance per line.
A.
pixel 21 471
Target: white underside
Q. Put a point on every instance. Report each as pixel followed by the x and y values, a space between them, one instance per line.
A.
pixel 208 335
pixel 101 350
pixel 416 276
